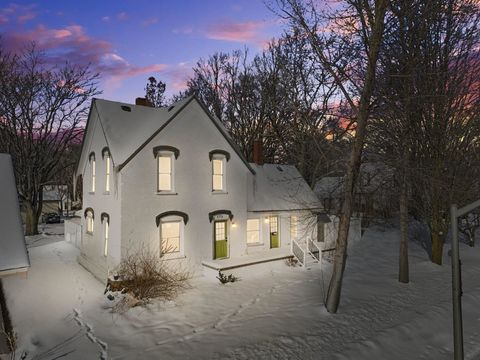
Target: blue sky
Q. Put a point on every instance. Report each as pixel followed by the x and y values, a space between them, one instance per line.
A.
pixel 127 41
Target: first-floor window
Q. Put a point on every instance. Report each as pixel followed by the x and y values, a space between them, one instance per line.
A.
pixel 170 237
pixel 294 227
pixel 253 231
pixel 89 222
pixel 105 237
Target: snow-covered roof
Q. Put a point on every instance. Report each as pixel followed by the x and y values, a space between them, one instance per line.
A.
pixel 329 186
pixel 127 127
pixel 279 188
pixel 54 193
pixel 13 252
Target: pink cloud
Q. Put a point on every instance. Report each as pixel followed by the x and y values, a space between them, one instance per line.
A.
pixel 26 17
pixel 71 42
pixel 3 19
pixel 246 32
pixel 178 75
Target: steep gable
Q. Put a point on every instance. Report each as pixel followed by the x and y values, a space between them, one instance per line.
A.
pixel 129 128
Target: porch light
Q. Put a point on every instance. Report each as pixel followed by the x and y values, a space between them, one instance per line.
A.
pixel 267 220
pixel 234 224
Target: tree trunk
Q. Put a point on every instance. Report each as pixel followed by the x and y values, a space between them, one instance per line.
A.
pixel 335 286
pixel 31 220
pixel 403 271
pixel 437 234
pixel 437 246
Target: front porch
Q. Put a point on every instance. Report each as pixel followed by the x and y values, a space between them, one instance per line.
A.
pixel 260 257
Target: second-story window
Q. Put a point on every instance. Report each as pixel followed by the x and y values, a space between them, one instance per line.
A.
pixel 166 156
pixel 107 171
pixel 218 173
pixel 92 172
pixel 165 172
pixel 219 158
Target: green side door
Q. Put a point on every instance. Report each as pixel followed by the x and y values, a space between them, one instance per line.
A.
pixel 273 221
pixel 220 238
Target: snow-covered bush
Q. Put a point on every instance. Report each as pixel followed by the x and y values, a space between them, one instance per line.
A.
pixel 143 276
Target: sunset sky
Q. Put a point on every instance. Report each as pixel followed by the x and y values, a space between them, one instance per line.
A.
pixel 127 41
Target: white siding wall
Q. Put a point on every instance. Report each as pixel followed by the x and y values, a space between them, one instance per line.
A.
pixel 194 134
pixel 91 255
pixel 306 228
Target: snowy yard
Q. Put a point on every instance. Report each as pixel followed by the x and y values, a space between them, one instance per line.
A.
pixel 60 309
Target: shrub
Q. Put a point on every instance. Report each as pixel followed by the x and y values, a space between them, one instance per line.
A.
pixel 143 276
pixel 291 261
pixel 226 278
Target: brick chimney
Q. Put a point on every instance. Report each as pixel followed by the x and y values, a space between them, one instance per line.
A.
pixel 258 152
pixel 143 102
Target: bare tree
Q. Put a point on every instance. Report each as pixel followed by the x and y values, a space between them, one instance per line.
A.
pixel 281 96
pixel 42 109
pixel 155 92
pixel 353 40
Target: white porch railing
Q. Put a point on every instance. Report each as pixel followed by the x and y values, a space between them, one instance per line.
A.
pixel 298 252
pixel 307 252
pixel 314 250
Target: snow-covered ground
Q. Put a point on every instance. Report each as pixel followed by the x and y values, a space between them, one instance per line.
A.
pixel 60 309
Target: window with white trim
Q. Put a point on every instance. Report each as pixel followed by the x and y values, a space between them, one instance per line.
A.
pixel 92 172
pixel 106 234
pixel 294 227
pixel 165 166
pixel 107 172
pixel 253 231
pixel 218 173
pixel 89 219
pixel 170 237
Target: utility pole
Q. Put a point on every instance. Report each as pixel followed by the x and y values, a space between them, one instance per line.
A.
pixel 456 290
pixel 455 213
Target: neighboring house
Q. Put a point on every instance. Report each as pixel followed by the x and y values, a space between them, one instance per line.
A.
pixel 13 252
pixel 374 195
pixel 171 180
pixel 55 199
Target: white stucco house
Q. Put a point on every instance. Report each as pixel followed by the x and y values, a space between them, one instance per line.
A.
pixel 172 180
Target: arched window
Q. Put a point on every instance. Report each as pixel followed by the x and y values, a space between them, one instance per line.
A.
pixel 108 166
pixel 91 158
pixel 105 218
pixel 171 225
pixel 219 160
pixel 166 156
pixel 89 217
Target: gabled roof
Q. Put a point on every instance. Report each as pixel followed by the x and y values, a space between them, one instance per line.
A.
pixel 280 188
pixel 129 128
pixel 13 252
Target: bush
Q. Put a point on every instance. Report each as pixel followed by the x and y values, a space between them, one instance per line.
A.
pixel 226 278
pixel 143 276
pixel 291 261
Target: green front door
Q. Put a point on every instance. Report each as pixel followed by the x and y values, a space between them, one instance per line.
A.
pixel 273 221
pixel 220 238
